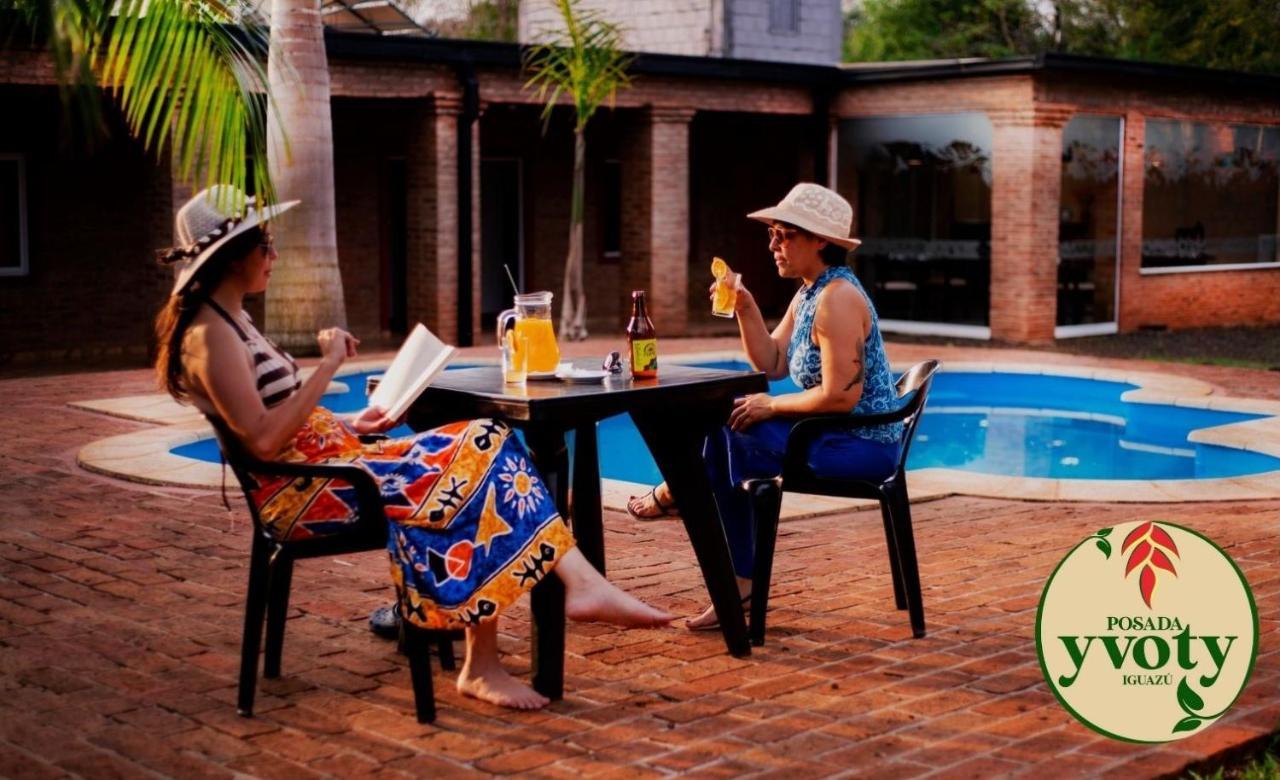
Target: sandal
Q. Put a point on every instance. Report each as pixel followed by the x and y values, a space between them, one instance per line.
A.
pixel 714 625
pixel 385 622
pixel 664 510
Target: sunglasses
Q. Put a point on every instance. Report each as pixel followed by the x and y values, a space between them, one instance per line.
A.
pixel 782 235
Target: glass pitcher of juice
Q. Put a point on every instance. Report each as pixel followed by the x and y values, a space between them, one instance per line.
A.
pixel 532 316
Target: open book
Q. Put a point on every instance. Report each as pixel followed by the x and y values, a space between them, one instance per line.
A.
pixel 419 360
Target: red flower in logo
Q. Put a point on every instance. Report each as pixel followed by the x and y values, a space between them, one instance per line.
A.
pixel 1152 549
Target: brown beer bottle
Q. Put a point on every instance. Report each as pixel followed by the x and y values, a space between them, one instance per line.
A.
pixel 642 339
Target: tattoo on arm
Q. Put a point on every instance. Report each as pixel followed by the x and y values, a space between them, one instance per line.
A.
pixel 859 368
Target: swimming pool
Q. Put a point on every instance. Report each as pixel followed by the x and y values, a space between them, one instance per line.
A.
pixel 1025 425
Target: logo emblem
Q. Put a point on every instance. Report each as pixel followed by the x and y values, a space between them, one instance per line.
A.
pixel 1147 632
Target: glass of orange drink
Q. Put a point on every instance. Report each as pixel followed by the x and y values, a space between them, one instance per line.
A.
pixel 725 299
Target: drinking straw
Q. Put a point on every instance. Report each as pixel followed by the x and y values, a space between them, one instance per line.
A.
pixel 512 279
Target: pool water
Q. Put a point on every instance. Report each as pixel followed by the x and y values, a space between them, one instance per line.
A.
pixel 1007 424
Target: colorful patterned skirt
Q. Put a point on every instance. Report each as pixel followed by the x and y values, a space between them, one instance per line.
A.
pixel 471 524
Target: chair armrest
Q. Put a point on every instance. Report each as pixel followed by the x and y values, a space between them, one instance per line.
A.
pixel 368 495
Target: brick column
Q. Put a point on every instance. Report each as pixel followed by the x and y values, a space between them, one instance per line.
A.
pixel 668 200
pixel 432 210
pixel 1026 185
pixel 477 255
pixel 1132 178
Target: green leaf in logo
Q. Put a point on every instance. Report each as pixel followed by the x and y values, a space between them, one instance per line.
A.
pixel 1189 699
pixel 1105 532
pixel 1186 724
pixel 1105 546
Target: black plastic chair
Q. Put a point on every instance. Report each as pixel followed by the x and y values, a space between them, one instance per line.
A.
pixel 895 508
pixel 271 570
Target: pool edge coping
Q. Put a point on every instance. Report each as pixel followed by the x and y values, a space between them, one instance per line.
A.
pixel 144 456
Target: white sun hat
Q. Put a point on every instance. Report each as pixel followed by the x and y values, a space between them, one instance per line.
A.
pixel 815 208
pixel 207 222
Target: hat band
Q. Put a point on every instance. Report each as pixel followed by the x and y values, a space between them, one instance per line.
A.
pixel 170 256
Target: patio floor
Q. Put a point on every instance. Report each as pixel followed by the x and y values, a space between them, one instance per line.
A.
pixel 121 608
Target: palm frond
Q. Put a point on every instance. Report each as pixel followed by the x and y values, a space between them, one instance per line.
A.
pixel 186 79
pixel 582 60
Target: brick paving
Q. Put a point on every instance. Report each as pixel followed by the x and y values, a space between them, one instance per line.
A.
pixel 121 606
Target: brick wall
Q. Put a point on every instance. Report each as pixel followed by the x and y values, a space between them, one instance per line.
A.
pixel 547 163
pixel 366 134
pixel 94 219
pixel 1026 178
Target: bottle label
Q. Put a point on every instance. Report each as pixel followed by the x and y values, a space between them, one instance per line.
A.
pixel 644 355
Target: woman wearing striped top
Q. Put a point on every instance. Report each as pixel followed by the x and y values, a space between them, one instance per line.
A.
pixel 471 526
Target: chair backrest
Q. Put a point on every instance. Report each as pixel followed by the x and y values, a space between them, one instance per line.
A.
pixel 917 380
pixel 234 453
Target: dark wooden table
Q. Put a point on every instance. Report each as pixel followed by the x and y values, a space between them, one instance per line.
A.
pixel 674 413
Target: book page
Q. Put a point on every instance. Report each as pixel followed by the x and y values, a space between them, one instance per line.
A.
pixel 422 356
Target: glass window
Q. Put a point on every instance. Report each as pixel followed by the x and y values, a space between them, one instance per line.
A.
pixel 13 216
pixel 784 16
pixel 1209 194
pixel 1088 213
pixel 921 189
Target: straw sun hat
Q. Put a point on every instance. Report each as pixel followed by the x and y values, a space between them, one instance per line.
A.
pixel 815 208
pixel 207 222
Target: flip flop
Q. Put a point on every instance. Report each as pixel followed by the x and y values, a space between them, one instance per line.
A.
pixel 715 624
pixel 667 510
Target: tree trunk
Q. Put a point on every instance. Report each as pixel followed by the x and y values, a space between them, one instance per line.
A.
pixel 573 311
pixel 306 287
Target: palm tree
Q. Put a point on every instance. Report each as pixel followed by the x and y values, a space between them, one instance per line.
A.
pixel 585 63
pixel 306 292
pixel 184 75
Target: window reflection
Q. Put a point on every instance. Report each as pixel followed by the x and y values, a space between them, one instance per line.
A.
pixel 1210 194
pixel 1088 214
pixel 921 188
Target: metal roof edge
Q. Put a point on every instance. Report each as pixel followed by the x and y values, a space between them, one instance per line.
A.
pixel 450 51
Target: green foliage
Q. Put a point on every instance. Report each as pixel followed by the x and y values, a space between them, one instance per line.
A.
pixel 1231 34
pixel 940 29
pixel 492 20
pixel 584 62
pixel 183 75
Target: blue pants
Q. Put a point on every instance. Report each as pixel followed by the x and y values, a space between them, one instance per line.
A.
pixel 757 453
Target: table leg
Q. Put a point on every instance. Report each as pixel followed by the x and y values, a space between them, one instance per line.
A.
pixel 588 528
pixel 676 443
pixel 547 599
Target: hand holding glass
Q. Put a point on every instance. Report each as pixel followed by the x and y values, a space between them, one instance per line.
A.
pixel 725 294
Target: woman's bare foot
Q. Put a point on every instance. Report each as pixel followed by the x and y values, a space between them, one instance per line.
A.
pixel 707 620
pixel 589 597
pixel 496 686
pixel 482 676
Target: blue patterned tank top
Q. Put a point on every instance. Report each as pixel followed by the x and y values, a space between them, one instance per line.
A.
pixel 804 358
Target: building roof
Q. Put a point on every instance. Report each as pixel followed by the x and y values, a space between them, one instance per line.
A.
pixel 452 51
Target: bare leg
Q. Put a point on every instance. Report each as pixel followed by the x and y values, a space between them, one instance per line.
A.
pixel 482 676
pixel 590 597
pixel 708 616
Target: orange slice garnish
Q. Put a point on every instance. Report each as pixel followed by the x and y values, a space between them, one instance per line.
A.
pixel 719 268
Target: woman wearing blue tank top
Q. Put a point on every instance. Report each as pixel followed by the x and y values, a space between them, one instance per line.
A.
pixel 829 343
